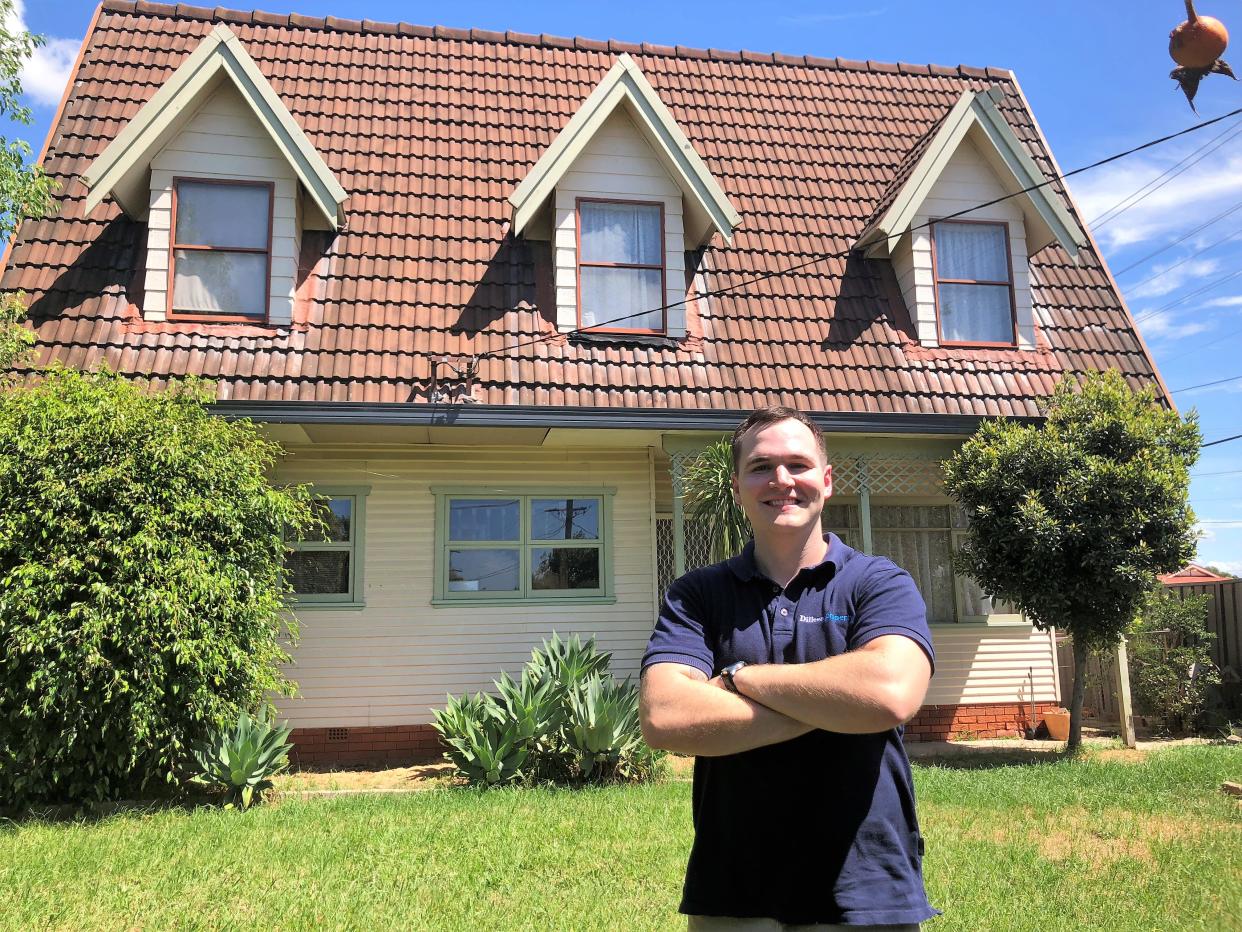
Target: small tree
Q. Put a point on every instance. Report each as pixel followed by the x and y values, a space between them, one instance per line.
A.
pixel 142 582
pixel 25 190
pixel 710 501
pixel 1072 520
pixel 1171 661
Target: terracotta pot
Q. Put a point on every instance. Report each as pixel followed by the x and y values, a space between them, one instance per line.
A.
pixel 1057 721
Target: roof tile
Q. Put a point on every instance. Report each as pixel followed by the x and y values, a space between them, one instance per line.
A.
pixel 807 148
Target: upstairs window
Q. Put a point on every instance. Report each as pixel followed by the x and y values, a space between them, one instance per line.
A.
pixel 621 266
pixel 221 249
pixel 974 283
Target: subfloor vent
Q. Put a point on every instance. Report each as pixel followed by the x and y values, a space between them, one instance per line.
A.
pixel 338 734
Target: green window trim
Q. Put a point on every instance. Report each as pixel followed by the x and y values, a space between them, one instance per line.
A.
pixel 524 543
pixel 354 599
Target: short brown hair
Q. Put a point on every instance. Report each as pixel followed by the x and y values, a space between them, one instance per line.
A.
pixel 766 417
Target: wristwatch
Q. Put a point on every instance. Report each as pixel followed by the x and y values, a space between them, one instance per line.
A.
pixel 726 676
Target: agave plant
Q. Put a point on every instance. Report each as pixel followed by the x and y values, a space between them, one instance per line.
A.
pixel 603 723
pixel 242 760
pixel 708 486
pixel 568 662
pixel 484 744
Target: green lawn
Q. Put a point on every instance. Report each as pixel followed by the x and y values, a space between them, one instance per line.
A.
pixel 1084 845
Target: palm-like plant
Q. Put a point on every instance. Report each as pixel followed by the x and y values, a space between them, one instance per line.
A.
pixel 243 760
pixel 708 486
pixel 603 723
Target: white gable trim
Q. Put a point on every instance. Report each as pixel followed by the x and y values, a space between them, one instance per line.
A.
pixel 1047 217
pixel 625 83
pixel 120 170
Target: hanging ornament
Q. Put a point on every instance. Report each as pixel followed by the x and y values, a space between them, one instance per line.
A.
pixel 1197 45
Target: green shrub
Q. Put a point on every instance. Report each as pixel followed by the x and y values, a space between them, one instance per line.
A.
pixel 1171 670
pixel 242 760
pixel 709 500
pixel 566 720
pixel 142 588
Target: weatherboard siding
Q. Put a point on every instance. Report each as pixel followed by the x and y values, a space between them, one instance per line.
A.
pixel 391 662
pixel 224 141
pixel 617 164
pixel 966 181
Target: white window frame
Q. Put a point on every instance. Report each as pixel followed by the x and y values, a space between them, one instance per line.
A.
pixel 355 546
pixel 525 594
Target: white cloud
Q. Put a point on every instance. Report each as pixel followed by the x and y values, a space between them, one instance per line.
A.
pixel 1230 301
pixel 1195 195
pixel 1221 524
pixel 45 75
pixel 1170 276
pixel 1232 567
pixel 1170 327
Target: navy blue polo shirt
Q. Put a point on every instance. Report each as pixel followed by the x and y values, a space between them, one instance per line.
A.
pixel 821 828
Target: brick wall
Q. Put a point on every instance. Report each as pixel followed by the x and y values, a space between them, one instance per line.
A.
pixel 982 720
pixel 375 744
pixel 408 744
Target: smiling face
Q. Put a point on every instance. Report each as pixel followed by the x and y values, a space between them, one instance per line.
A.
pixel 782 480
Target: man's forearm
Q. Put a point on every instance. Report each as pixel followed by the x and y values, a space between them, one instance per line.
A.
pixel 699 717
pixel 853 693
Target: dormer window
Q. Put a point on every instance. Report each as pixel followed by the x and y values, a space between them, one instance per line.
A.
pixel 621 266
pixel 974 283
pixel 221 249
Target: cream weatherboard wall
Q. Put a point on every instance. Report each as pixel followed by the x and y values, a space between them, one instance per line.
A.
pixel 224 140
pixel 617 164
pixel 966 180
pixel 391 662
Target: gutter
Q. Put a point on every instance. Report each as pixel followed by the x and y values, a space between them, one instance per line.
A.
pixel 479 415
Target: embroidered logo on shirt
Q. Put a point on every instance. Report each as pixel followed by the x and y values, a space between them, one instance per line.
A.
pixel 812 620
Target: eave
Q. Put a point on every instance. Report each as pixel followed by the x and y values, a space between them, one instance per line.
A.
pixel 625 85
pixel 976 115
pixel 121 169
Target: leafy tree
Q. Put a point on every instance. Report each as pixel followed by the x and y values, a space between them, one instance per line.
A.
pixel 710 501
pixel 25 191
pixel 142 582
pixel 1070 521
pixel 1170 659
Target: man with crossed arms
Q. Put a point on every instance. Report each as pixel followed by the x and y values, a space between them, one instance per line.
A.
pixel 788 671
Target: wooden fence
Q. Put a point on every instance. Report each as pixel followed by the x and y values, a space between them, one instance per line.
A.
pixel 1224 620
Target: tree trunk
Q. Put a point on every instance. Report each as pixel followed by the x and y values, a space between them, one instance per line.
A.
pixel 1080 689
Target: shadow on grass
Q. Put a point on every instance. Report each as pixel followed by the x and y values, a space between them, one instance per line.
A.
pixel 964 758
pixel 92 812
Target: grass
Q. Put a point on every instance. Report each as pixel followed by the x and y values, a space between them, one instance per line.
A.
pixel 1088 844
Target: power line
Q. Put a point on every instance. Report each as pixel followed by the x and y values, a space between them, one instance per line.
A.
pixel 1200 346
pixel 1172 172
pixel 1232 378
pixel 1227 472
pixel 1221 440
pixel 1181 239
pixel 1167 269
pixel 842 254
pixel 1186 297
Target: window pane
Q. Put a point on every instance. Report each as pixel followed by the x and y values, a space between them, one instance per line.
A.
pixel 927 556
pixel 222 214
pixel 220 282
pixel 564 519
pixel 627 233
pixel 564 568
pixel 483 570
pixel 976 313
pixel 484 519
pixel 976 602
pixel 629 294
pixel 971 250
pixel 319 572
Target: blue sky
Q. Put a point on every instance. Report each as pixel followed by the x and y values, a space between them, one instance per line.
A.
pixel 1096 75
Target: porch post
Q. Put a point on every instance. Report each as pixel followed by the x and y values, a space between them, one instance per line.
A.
pixel 864 504
pixel 679 517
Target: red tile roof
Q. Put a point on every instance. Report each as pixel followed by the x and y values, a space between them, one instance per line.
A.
pixel 1192 574
pixel 430 130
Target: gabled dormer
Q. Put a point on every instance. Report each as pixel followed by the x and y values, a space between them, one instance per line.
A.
pixel 623 195
pixel 966 279
pixel 226 182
